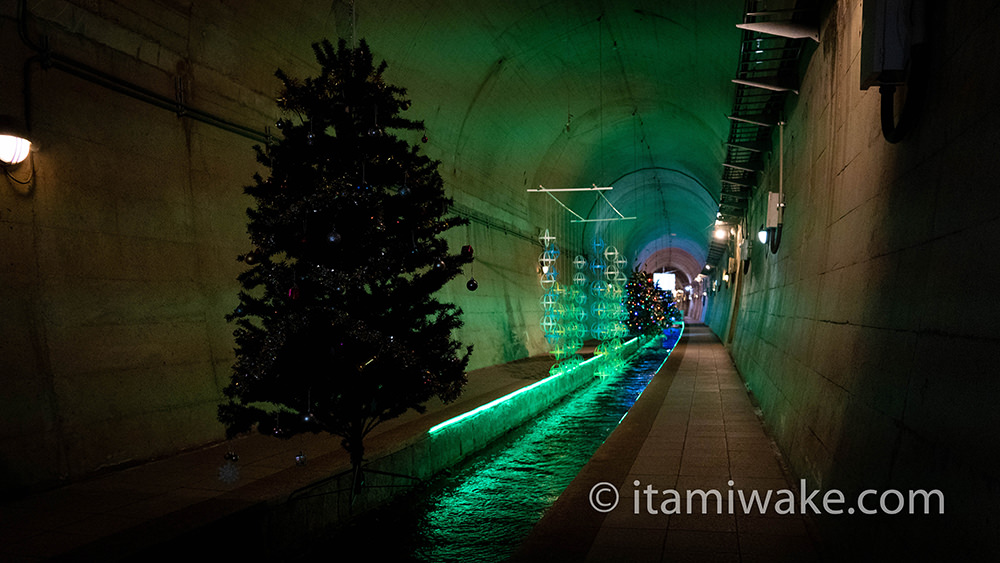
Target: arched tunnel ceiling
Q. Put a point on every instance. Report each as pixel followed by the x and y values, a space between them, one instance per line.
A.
pixel 575 93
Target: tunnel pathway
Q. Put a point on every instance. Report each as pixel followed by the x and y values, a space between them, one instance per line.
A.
pixel 693 428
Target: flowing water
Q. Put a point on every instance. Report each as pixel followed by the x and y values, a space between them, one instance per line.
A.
pixel 483 509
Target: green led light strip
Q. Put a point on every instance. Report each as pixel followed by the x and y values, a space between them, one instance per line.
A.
pixel 509 396
pixel 488 405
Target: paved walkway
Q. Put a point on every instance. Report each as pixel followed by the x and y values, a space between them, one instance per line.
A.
pixel 693 428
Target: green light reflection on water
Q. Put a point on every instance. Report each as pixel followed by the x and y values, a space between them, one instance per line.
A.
pixel 483 509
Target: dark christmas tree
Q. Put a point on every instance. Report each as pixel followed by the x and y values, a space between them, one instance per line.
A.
pixel 338 327
pixel 650 309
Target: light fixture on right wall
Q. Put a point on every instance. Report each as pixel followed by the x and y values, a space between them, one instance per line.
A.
pixel 770 234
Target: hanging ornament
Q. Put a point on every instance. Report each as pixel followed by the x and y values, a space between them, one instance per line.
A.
pixel 472 284
pixel 548 300
pixel 423 139
pixel 333 237
pixel 467 251
pixel 251 257
pixel 300 459
pixel 293 292
pixel 610 254
pixel 597 245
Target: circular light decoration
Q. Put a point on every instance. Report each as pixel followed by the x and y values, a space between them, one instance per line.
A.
pixel 13 149
pixel 548 256
pixel 598 246
pixel 600 331
pixel 571 292
pixel 559 310
pixel 599 289
pixel 548 300
pixel 599 310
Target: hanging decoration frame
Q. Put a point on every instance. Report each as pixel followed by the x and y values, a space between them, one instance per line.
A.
pixel 579 218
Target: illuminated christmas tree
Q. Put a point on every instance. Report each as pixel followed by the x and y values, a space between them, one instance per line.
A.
pixel 650 309
pixel 338 327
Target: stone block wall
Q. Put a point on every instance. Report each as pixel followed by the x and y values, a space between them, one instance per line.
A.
pixel 870 338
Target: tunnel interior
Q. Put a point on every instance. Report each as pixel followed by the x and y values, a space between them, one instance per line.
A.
pixel 121 231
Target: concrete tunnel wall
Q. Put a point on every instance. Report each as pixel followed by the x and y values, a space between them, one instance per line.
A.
pixel 870 338
pixel 119 258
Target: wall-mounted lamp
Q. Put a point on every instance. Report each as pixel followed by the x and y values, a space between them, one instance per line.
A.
pixel 770 232
pixel 14 143
pixel 13 149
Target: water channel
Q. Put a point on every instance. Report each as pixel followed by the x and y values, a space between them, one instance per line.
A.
pixel 482 509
